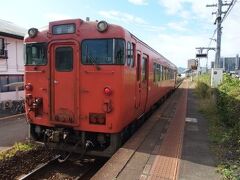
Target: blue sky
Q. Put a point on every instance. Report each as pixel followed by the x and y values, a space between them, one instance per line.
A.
pixel 172 27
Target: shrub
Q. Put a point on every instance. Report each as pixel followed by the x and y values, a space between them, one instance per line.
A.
pixel 222 108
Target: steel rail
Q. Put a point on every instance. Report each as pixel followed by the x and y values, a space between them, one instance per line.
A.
pixel 38 168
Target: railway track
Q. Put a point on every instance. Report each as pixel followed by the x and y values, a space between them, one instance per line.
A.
pixel 71 169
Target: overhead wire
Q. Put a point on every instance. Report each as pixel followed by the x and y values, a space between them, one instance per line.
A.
pixel 231 5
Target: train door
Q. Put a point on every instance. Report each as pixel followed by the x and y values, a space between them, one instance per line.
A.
pixel 144 81
pixel 64 67
pixel 138 81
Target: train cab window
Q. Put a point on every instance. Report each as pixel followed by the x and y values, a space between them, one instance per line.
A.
pixel 103 51
pixel 36 54
pixel 130 54
pixel 64 59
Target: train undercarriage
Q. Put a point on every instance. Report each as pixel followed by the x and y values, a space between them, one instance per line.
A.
pixel 69 140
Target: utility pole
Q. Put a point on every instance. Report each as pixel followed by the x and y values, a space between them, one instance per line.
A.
pixel 219 34
pixel 219 21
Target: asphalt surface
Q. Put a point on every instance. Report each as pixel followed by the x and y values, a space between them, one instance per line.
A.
pixel 14 129
pixel 197 161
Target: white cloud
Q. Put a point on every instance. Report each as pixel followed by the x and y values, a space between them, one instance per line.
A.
pixel 55 16
pixel 196 10
pixel 172 6
pixel 185 14
pixel 178 26
pixel 177 48
pixel 122 17
pixel 138 2
pixel 130 21
pixel 152 28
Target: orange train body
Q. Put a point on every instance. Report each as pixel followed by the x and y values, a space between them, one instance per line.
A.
pixel 85 84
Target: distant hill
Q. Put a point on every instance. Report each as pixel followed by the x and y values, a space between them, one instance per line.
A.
pixel 180 70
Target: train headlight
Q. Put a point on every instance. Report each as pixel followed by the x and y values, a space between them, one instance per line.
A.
pixel 102 26
pixel 32 32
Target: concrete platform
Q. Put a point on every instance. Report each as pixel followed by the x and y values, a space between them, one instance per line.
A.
pixel 161 150
pixel 12 129
pixel 197 162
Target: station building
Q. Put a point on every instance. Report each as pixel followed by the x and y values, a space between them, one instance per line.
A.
pixel 11 62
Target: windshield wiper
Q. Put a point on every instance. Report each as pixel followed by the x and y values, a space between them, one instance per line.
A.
pixel 93 61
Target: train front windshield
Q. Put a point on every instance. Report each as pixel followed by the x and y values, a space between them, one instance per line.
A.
pixel 103 51
pixel 36 54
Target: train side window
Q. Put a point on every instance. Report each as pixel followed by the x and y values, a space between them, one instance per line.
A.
pixel 64 59
pixel 166 74
pixel 163 73
pixel 154 72
pixel 129 59
pixel 160 73
pixel 144 68
pixel 133 54
pixel 154 79
pixel 119 51
pixel 138 66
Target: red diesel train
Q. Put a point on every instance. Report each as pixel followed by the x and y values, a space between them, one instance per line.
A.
pixel 88 83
